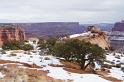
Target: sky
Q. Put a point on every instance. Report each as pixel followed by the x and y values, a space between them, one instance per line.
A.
pixel 83 11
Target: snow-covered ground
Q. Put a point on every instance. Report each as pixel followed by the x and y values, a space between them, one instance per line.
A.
pixel 117 73
pixel 116 59
pixel 1 75
pixel 32 58
pixel 59 72
pixel 55 72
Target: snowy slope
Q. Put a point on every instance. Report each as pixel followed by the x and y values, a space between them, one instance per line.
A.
pixel 60 73
pixel 55 72
pixel 30 59
pixel 116 59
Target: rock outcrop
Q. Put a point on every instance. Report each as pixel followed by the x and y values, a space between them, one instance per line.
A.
pixel 11 32
pixel 94 36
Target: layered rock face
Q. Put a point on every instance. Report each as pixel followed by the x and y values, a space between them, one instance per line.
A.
pixel 119 26
pixel 100 40
pixel 94 36
pixel 11 32
pixel 50 29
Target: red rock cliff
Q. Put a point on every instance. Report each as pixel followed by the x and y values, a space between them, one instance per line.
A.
pixel 11 32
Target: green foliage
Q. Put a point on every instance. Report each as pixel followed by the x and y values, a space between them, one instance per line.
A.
pixel 47 44
pixel 42 43
pixel 25 41
pixel 27 47
pixel 16 45
pixel 12 45
pixel 78 51
pixel 50 42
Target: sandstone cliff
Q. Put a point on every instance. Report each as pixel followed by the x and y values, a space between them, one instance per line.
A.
pixel 11 32
pixel 50 29
pixel 94 36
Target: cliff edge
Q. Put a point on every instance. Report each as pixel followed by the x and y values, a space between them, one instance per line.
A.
pixel 94 36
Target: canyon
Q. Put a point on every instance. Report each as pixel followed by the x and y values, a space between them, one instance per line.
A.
pixel 20 32
pixel 11 32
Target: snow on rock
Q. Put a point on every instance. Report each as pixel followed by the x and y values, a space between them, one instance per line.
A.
pixel 82 34
pixel 60 73
pixel 1 75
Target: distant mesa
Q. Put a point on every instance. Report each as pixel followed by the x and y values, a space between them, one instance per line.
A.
pixel 19 31
pixel 59 29
pixel 51 29
pixel 10 32
pixel 117 36
pixel 119 26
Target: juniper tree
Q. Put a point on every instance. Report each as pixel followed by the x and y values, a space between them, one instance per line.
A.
pixel 84 53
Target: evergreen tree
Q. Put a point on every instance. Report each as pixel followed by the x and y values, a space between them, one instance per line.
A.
pixel 79 51
pixel 27 47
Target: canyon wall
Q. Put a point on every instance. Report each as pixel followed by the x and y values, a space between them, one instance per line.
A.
pixel 11 32
pixel 50 29
pixel 118 26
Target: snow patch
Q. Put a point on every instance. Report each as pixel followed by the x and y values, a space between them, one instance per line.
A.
pixel 82 34
pixel 1 75
pixel 117 73
pixel 60 73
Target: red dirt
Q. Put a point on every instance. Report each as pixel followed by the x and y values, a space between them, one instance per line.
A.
pixel 67 66
pixel 76 71
pixel 25 64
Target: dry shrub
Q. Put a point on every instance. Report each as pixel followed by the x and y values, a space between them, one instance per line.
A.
pixel 46 58
pixel 13 54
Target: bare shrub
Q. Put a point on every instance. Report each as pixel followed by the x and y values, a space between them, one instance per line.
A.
pixel 46 58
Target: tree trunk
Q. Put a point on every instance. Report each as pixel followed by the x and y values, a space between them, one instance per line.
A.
pixel 82 64
pixel 90 60
pixel 86 65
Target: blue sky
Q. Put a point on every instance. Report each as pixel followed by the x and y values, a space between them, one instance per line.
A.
pixel 83 11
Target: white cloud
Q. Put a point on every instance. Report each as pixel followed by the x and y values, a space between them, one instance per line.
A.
pixel 84 11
